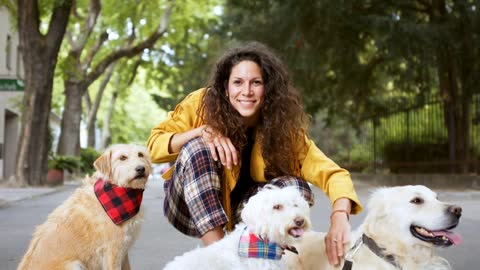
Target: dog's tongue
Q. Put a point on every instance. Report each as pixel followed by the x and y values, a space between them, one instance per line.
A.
pixel 455 238
pixel 296 232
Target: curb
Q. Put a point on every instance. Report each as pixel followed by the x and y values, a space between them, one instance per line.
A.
pixel 435 181
pixel 6 203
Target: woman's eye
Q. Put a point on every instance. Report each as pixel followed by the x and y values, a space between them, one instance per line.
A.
pixel 258 82
pixel 122 158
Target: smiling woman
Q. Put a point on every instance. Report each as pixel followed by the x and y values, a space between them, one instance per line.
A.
pixel 245 129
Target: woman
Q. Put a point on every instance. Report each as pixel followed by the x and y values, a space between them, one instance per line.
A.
pixel 246 128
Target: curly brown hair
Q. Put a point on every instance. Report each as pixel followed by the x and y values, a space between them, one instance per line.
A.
pixel 283 122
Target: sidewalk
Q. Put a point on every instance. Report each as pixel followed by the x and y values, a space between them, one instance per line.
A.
pixel 9 195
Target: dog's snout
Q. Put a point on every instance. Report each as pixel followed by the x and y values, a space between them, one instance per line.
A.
pixel 456 210
pixel 140 169
pixel 299 222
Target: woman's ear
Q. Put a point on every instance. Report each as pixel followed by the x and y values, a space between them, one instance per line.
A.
pixel 103 163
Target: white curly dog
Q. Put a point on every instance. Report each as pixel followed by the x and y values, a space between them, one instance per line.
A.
pixel 274 220
pixel 403 227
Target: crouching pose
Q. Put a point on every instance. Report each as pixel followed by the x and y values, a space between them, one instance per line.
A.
pixel 246 128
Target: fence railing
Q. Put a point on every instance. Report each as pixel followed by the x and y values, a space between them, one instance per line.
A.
pixel 415 140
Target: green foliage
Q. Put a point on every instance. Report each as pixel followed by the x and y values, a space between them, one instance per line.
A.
pixel 87 158
pixel 358 58
pixel 59 162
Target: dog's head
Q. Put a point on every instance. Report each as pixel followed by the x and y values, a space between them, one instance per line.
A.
pixel 278 214
pixel 412 215
pixel 124 165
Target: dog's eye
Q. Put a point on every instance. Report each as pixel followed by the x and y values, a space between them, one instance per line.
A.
pixel 278 207
pixel 122 158
pixel 417 200
pixel 140 154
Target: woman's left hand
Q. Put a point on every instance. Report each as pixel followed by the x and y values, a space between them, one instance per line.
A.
pixel 339 233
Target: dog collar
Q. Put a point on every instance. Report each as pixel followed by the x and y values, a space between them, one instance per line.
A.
pixel 372 245
pixel 252 246
pixel 119 203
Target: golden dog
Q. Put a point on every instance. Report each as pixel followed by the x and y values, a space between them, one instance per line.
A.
pixel 402 229
pixel 99 222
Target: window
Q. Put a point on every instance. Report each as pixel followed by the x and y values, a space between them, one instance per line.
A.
pixel 8 53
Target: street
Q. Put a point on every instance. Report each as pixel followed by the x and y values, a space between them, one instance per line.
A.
pixel 159 242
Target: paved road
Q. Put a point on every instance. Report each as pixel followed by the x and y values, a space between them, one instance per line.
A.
pixel 159 242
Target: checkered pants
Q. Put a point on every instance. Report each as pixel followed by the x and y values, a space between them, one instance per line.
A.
pixel 193 196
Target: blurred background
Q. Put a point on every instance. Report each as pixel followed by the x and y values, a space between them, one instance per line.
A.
pixel 392 86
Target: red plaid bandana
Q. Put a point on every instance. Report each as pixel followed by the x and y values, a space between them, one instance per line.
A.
pixel 252 246
pixel 120 203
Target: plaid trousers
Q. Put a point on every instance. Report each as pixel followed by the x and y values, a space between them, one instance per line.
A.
pixel 193 195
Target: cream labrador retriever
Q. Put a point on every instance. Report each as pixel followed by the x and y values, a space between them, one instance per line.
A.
pixel 99 222
pixel 403 227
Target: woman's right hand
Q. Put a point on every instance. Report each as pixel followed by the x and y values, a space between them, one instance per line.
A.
pixel 220 146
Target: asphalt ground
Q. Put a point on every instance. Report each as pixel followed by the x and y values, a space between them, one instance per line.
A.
pixel 23 209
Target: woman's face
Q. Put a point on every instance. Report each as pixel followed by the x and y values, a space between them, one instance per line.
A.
pixel 246 90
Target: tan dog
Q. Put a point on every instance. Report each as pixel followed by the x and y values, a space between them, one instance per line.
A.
pixel 79 234
pixel 403 227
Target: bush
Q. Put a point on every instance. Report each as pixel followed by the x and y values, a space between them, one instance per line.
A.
pixel 87 158
pixel 69 163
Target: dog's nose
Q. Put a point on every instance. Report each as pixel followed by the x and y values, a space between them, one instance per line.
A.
pixel 456 210
pixel 299 221
pixel 140 169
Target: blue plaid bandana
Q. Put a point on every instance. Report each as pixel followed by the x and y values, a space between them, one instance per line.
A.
pixel 252 246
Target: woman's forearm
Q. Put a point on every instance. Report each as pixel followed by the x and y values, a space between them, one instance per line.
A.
pixel 179 139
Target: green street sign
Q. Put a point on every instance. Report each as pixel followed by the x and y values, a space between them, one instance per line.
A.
pixel 11 85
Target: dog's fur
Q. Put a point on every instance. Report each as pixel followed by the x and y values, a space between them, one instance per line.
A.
pixel 392 211
pixel 271 213
pixel 78 234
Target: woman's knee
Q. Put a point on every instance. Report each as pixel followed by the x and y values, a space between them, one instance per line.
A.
pixel 195 164
pixel 298 182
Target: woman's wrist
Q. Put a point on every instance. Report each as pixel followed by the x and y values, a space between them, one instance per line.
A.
pixel 340 212
pixel 341 207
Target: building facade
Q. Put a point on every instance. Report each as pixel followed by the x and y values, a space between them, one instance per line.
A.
pixel 11 94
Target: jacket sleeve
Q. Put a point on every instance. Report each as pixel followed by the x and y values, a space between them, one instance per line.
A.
pixel 325 174
pixel 185 117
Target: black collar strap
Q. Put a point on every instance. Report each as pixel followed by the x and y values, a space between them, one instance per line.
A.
pixel 370 243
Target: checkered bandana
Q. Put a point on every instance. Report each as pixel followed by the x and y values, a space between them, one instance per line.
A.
pixel 251 246
pixel 120 203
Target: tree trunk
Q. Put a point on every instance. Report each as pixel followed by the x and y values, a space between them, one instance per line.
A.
pixel 39 58
pixel 33 150
pixel 69 143
pixel 93 110
pixel 106 135
pixel 456 100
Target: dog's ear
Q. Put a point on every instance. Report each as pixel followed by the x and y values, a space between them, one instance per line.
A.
pixel 103 163
pixel 269 186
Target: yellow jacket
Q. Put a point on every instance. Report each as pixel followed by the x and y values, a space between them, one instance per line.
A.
pixel 315 167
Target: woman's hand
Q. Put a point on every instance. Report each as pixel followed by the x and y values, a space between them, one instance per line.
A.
pixel 339 233
pixel 220 146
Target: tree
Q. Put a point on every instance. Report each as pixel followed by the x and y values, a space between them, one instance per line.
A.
pixel 92 108
pixel 124 78
pixel 82 69
pixel 354 59
pixel 39 50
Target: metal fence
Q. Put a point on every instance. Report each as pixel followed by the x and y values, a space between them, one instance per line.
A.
pixel 415 140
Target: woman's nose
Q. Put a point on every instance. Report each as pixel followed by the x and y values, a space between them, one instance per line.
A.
pixel 247 89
